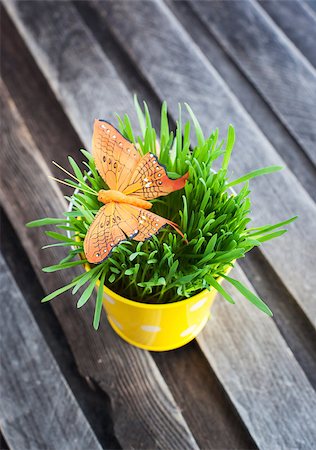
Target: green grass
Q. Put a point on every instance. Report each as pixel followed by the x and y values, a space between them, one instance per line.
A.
pixel 214 220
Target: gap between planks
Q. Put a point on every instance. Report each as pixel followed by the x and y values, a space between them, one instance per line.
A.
pixel 271 62
pixel 173 78
pixel 291 362
pixel 298 22
pixel 297 161
pixel 290 319
pixel 35 398
pixel 221 425
pixel 94 402
pixel 144 412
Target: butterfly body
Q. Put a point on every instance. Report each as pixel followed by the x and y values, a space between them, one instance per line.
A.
pixel 133 180
pixel 118 197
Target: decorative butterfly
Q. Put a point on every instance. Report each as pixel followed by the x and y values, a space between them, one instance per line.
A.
pixel 132 181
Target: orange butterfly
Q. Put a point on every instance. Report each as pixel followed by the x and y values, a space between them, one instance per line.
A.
pixel 132 180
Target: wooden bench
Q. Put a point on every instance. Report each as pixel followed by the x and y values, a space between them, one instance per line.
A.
pixel 247 381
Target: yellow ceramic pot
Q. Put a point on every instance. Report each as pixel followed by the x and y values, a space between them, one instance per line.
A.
pixel 158 327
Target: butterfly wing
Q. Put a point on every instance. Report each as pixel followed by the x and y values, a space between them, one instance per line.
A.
pixel 115 157
pixel 141 224
pixel 149 179
pixel 103 235
pixel 116 221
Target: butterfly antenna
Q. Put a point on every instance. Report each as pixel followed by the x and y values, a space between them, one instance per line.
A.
pixel 175 226
pixel 74 187
pixel 72 176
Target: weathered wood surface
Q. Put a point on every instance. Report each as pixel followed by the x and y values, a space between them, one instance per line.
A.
pixel 68 57
pixel 35 398
pixel 283 76
pixel 145 414
pixel 173 73
pixel 277 405
pixel 303 33
pixel 221 425
pixel 203 401
pixel 193 79
pixel 260 375
pixel 290 151
pixel 299 334
pixel 296 369
pixel 311 4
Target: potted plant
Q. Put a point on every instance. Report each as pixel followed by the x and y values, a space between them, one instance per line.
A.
pixel 157 279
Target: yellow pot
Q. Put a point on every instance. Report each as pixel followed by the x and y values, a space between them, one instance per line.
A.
pixel 158 327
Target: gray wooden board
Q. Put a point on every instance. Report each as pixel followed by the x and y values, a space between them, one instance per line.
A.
pixel 209 412
pixel 288 148
pixel 249 382
pixel 37 408
pixel 144 412
pixel 279 71
pixel 72 61
pixel 185 370
pixel 260 374
pixel 298 22
pixel 311 4
pixel 192 78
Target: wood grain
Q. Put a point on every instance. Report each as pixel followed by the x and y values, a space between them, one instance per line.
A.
pixel 260 374
pixel 190 385
pixel 252 382
pixel 145 414
pixel 310 4
pixel 94 403
pixel 37 410
pixel 287 147
pixel 297 21
pixel 73 63
pixel 298 332
pixel 204 403
pixel 193 79
pixel 281 74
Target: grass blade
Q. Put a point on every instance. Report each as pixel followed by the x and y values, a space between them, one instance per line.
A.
pixel 229 146
pixel 249 295
pixel 264 229
pixel 87 293
pixel 46 221
pixel 254 174
pixel 198 130
pixel 140 115
pixel 210 280
pixel 63 266
pixel 267 237
pixel 58 292
pixel 98 304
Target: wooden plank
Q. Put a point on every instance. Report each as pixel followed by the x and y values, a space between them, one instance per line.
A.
pixel 193 79
pixel 173 72
pixel 212 418
pixel 145 414
pixel 297 21
pixel 260 375
pixel 264 54
pixel 193 385
pixel 94 403
pixel 37 409
pixel 287 147
pixel 252 384
pixel 311 4
pixel 285 412
pixel 73 63
pixel 299 334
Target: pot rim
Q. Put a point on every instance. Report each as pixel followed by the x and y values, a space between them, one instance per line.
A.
pixel 139 304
